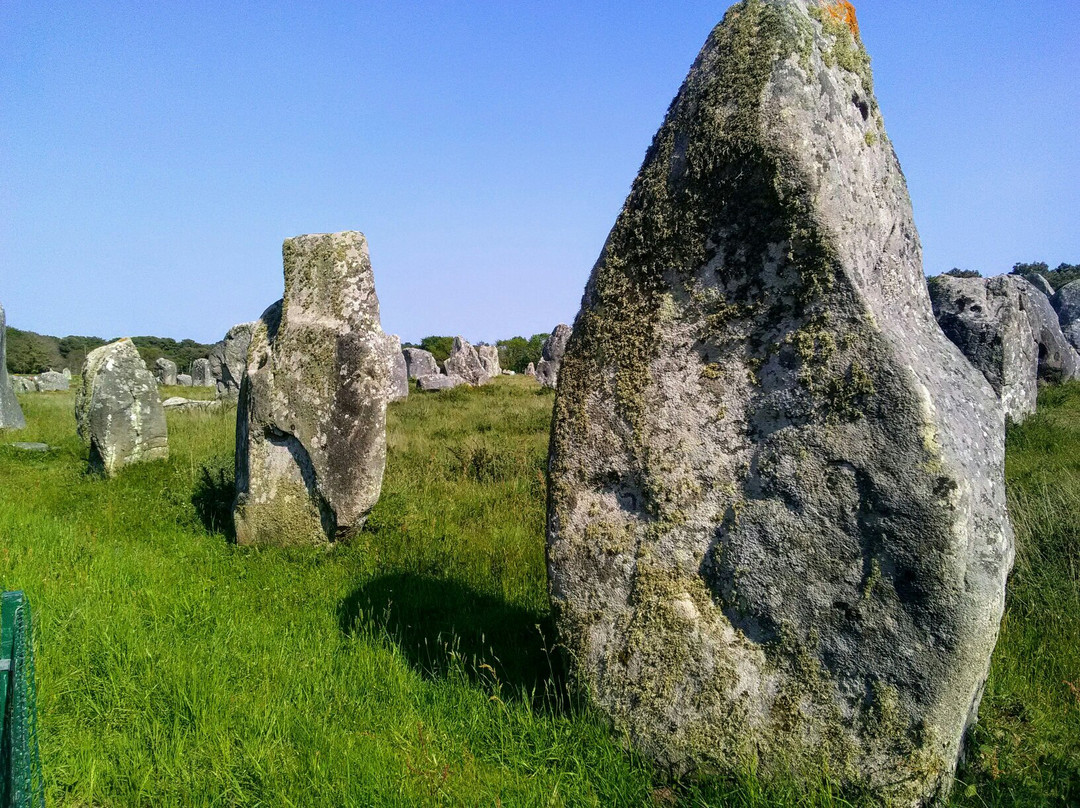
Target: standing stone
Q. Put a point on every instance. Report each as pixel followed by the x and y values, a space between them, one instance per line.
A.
pixel 201 375
pixel 51 382
pixel 1040 283
pixel 118 410
pixel 66 373
pixel 228 359
pixel 23 384
pixel 183 379
pixel 1067 305
pixel 1009 331
pixel 420 363
pixel 776 519
pixel 439 381
pixel 11 414
pixel 311 421
pixel 530 370
pixel 464 361
pixel 165 371
pixel 551 354
pixel 489 360
pixel 399 370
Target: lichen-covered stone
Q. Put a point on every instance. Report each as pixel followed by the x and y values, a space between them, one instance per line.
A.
pixel 489 360
pixel 228 360
pixel 118 410
pixel 311 421
pixel 1067 305
pixel 420 363
pixel 183 379
pixel 201 376
pixel 464 361
pixel 1009 331
pixel 439 381
pixel 551 354
pixel 1040 283
pixel 11 414
pixel 777 532
pixel 165 371
pixel 399 369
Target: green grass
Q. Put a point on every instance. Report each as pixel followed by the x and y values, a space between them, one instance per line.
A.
pixel 416 666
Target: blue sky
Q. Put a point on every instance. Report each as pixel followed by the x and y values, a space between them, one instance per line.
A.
pixel 154 156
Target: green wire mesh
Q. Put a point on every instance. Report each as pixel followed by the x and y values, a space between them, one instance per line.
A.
pixel 21 783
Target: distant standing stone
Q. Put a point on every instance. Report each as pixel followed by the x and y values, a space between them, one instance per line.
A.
pixel 52 381
pixel 551 356
pixel 165 371
pixel 118 410
pixel 420 363
pixel 228 360
pixel 464 361
pixel 183 380
pixel 67 373
pixel 439 381
pixel 399 370
pixel 201 375
pixel 489 360
pixel 311 422
pixel 1067 304
pixel 530 370
pixel 11 414
pixel 1040 283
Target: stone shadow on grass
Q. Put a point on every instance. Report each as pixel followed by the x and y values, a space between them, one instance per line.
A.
pixel 213 496
pixel 445 627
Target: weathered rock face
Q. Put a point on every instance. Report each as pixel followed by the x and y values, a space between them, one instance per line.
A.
pixel 228 360
pixel 11 414
pixel 776 517
pixel 1009 331
pixel 439 381
pixel 1040 283
pixel 489 360
pixel 399 369
pixel 201 375
pixel 52 381
pixel 23 384
pixel 311 421
pixel 165 371
pixel 551 354
pixel 420 363
pixel 118 410
pixel 183 379
pixel 1067 304
pixel 464 361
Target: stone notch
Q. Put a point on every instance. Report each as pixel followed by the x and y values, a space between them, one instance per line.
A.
pixel 311 420
pixel 776 531
pixel 118 410
pixel 11 414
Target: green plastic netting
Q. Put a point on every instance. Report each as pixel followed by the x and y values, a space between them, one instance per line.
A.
pixel 21 784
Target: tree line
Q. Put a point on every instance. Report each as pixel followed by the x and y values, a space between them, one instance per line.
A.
pixel 29 352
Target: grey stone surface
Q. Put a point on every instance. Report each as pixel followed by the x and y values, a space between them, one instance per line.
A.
pixel 399 369
pixel 547 370
pixel 23 446
pixel 777 526
pixel 201 375
pixel 1040 283
pixel 489 360
pixel 228 360
pixel 530 370
pixel 52 381
pixel 67 373
pixel 118 410
pixel 1009 331
pixel 1067 305
pixel 183 380
pixel 464 361
pixel 23 384
pixel 11 414
pixel 180 403
pixel 439 381
pixel 165 371
pixel 420 363
pixel 311 421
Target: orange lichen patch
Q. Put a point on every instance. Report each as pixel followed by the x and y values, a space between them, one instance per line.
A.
pixel 843 11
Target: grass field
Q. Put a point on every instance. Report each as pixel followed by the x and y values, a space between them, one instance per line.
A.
pixel 417 666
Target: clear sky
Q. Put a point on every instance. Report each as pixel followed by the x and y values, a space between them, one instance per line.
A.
pixel 153 156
